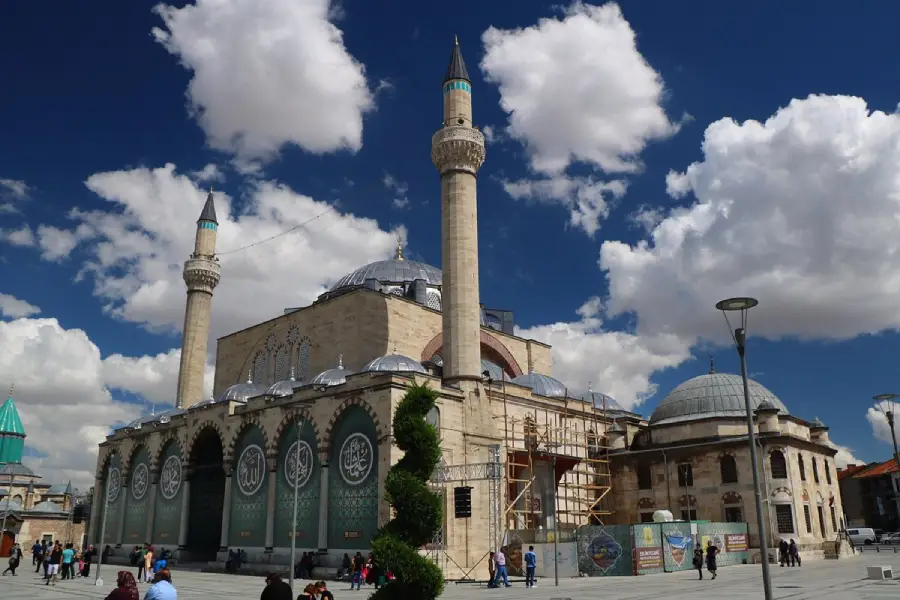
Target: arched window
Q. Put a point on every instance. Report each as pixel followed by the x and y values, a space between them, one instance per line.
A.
pixel 434 418
pixel 728 467
pixel 827 473
pixel 815 470
pixel 802 466
pixel 644 477
pixel 778 465
pixel 685 475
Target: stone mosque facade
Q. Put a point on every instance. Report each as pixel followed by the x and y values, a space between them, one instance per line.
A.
pixel 306 400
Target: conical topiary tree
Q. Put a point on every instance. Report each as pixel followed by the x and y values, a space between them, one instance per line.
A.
pixel 418 510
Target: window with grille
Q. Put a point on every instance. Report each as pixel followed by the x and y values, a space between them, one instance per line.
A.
pixel 303 360
pixel 282 363
pixel 728 466
pixel 734 514
pixel 815 470
pixel 784 518
pixel 259 368
pixel 433 300
pixel 645 477
pixel 778 465
pixel 685 475
pixel 827 473
pixel 802 465
pixel 689 515
pixel 807 516
pixel 833 520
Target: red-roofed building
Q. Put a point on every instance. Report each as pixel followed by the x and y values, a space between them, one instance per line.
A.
pixel 871 495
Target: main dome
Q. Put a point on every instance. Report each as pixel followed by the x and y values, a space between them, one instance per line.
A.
pixel 711 395
pixel 394 270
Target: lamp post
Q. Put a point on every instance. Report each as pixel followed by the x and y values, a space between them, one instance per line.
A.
pixel 8 499
pixel 739 335
pixel 296 478
pixel 887 404
pixel 97 581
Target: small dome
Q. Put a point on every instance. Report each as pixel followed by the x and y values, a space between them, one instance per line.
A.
pixel 14 469
pixel 542 385
pixel 766 405
pixel 438 360
pixel 282 389
pixel 494 370
pixel 335 376
pixel 616 428
pixel 818 424
pixel 711 395
pixel 163 417
pixel 611 405
pixel 48 507
pixel 12 505
pixel 241 392
pixel 394 363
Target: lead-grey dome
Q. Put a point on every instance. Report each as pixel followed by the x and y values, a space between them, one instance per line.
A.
pixel 241 392
pixel 711 395
pixel 395 270
pixel 282 389
pixel 335 376
pixel 494 370
pixel 542 385
pixel 48 507
pixel 163 417
pixel 394 363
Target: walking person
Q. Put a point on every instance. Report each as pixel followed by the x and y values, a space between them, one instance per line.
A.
pixel 68 555
pixel 42 558
pixel 54 564
pixel 698 561
pixel 783 552
pixel 15 557
pixel 88 558
pixel 711 553
pixel 358 564
pixel 500 560
pixel 138 561
pixel 148 564
pixel 492 570
pixel 794 553
pixel 36 553
pixel 530 565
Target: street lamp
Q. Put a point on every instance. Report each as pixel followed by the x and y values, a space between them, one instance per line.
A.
pixel 298 429
pixel 739 335
pixel 887 404
pixel 8 499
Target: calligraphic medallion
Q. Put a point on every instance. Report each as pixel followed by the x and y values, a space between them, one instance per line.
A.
pixel 170 477
pixel 113 484
pixel 251 468
pixel 356 459
pixel 139 481
pixel 298 464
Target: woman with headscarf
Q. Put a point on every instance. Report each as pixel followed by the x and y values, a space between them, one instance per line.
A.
pixel 126 588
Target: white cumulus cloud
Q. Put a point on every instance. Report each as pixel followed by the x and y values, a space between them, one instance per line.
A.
pixel 63 393
pixel 801 211
pixel 13 308
pixel 878 420
pixel 845 457
pixel 267 74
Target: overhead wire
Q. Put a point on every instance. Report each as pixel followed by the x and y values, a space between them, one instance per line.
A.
pixel 278 235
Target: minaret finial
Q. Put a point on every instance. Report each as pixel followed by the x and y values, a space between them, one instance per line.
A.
pixel 399 255
pixel 455 40
pixel 340 361
pixel 250 375
pixel 712 365
pixel 12 388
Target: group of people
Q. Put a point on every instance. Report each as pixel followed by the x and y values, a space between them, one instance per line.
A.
pixel 711 553
pixel 277 589
pixel 148 562
pixel 58 560
pixel 161 588
pixel 788 553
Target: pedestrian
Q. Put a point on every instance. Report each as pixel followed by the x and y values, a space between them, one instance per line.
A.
pixel 137 560
pixel 148 564
pixel 530 565
pixel 88 558
pixel 36 553
pixel 68 555
pixel 698 560
pixel 15 557
pixel 54 563
pixel 358 564
pixel 276 589
pixel 126 588
pixel 492 568
pixel 711 553
pixel 42 559
pixel 500 561
pixel 783 552
pixel 794 553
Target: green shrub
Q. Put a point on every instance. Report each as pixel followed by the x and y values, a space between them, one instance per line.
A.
pixel 418 510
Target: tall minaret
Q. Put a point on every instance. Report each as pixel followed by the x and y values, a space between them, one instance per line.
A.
pixel 457 151
pixel 201 274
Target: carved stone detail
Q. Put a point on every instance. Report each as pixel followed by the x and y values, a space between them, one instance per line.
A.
pixel 458 149
pixel 201 274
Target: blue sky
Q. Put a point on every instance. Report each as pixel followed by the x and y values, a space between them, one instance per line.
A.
pixel 593 228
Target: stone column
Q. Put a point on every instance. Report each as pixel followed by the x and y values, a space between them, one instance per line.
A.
pixel 151 504
pixel 323 507
pixel 270 504
pixel 186 473
pixel 120 526
pixel 96 511
pixel 226 510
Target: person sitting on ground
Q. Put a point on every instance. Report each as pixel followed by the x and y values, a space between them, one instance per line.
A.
pixel 276 589
pixel 126 588
pixel 323 592
pixel 162 588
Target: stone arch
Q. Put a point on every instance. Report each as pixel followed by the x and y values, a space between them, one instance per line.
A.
pixel 496 351
pixel 339 412
pixel 778 463
pixel 687 500
pixel 646 503
pixel 728 471
pixel 288 421
pixel 246 422
pixel 188 448
pixel 732 498
pixel 107 459
pixel 162 447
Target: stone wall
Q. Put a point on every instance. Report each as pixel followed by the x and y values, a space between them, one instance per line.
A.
pixel 59 529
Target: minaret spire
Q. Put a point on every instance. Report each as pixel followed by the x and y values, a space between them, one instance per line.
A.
pixel 457 151
pixel 201 275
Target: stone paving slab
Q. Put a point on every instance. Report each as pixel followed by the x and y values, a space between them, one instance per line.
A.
pixel 820 580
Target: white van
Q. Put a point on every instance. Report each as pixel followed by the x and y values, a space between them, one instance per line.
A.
pixel 862 535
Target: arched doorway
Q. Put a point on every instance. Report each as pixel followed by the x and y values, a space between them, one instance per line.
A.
pixel 207 496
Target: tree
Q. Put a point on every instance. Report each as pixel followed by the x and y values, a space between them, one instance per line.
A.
pixel 418 511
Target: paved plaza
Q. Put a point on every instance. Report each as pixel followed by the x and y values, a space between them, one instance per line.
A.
pixel 821 580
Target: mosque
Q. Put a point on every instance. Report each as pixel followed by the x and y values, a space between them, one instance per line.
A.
pixel 304 401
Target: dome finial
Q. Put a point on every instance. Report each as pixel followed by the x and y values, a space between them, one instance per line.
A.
pixel 712 365
pixel 399 255
pixel 250 375
pixel 293 376
pixel 340 361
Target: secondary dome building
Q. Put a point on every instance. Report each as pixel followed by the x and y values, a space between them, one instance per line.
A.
pixel 692 457
pixel 306 399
